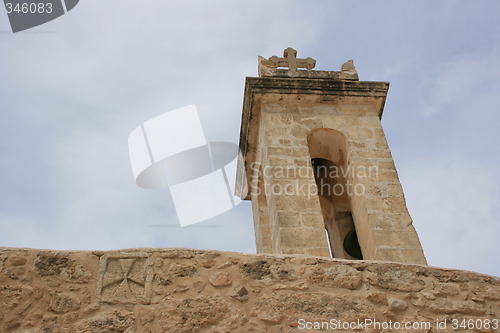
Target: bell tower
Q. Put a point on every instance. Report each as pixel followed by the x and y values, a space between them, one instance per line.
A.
pixel 315 162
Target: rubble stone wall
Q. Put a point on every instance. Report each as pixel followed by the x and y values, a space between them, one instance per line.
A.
pixel 183 290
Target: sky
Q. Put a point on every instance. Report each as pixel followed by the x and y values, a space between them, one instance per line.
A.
pixel 73 89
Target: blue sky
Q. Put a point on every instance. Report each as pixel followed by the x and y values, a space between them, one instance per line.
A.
pixel 73 89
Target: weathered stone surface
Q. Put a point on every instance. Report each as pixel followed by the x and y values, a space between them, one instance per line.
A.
pixel 397 305
pixel 14 295
pixel 192 314
pixel 340 275
pixel 254 293
pixel 378 298
pixel 464 307
pixel 181 270
pixel 225 265
pixel 240 293
pixel 51 264
pixel 220 279
pixel 55 264
pixel 17 260
pixel 199 285
pixel 275 307
pixel 257 270
pixel 395 279
pixel 108 322
pixel 64 302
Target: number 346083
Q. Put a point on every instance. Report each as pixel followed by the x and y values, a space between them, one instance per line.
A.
pixel 31 8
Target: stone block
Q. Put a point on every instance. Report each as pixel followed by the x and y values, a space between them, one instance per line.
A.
pixel 286 219
pixel 303 237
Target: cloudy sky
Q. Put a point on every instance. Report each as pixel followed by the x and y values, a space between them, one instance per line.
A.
pixel 73 89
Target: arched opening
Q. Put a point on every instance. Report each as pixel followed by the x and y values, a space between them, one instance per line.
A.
pixel 328 150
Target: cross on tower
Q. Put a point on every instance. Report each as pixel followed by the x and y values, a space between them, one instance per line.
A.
pixel 290 60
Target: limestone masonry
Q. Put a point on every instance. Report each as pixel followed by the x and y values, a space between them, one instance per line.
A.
pixel 183 290
pixel 313 155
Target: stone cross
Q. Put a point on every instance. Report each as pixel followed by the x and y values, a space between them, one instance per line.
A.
pixel 290 60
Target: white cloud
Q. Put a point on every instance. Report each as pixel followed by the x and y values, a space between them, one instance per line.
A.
pixel 454 205
pixel 465 79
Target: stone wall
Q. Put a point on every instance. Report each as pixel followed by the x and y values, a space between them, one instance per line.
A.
pixel 182 290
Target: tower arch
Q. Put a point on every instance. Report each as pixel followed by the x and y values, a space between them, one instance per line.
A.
pixel 328 149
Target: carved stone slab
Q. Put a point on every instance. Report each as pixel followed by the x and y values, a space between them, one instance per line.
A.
pixel 125 278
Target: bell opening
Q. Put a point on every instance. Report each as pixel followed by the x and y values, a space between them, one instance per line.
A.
pixel 351 245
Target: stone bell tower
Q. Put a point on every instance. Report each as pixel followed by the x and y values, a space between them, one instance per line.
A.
pixel 314 157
